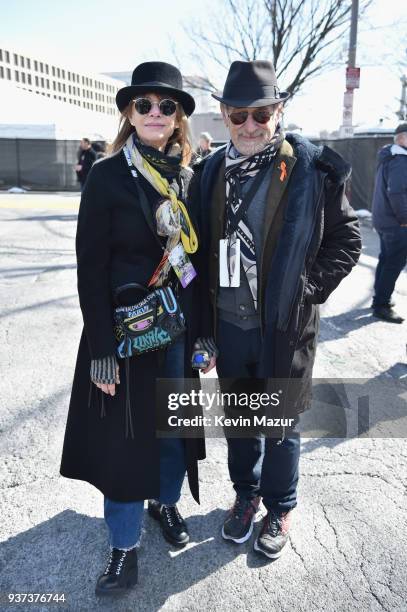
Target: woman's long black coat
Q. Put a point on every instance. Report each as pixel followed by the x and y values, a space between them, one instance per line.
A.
pixel 116 244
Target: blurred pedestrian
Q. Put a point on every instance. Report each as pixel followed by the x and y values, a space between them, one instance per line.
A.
pixel 86 159
pixel 205 144
pixel 389 211
pixel 132 215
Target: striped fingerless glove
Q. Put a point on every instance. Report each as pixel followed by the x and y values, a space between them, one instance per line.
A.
pixel 104 370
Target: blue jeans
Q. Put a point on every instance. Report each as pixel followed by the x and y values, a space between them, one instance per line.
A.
pixel 124 520
pixel 392 259
pixel 257 465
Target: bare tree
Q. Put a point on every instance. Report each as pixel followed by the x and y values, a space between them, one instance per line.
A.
pixel 301 37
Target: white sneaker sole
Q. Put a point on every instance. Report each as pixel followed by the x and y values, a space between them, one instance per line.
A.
pixel 269 555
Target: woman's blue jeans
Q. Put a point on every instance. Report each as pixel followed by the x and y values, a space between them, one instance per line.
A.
pixel 124 520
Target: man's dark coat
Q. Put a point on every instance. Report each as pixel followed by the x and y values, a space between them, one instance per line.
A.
pixel 311 242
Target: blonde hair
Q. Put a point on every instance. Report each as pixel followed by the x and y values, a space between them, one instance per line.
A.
pixel 181 136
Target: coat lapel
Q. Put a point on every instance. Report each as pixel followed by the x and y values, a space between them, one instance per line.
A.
pixel 218 202
pixel 283 166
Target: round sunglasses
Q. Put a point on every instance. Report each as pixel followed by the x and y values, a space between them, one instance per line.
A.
pixel 144 105
pixel 259 115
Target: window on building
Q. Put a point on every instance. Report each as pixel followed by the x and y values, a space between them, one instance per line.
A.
pixel 8 74
pixel 1 55
pixel 28 63
pixel 1 72
pixel 29 79
pixel 54 85
pixel 37 83
pixel 53 70
pixel 63 88
pixel 7 54
pixel 58 73
pixel 83 80
pixel 23 77
pixel 47 83
pixel 64 99
pixel 35 65
pixel 16 59
pixel 59 86
pixel 22 62
pixel 46 68
pixel 16 75
pixel 63 74
pixel 42 82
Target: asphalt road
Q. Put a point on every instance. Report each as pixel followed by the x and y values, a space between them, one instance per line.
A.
pixel 347 549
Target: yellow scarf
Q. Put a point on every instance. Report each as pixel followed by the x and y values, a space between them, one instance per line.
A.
pixel 189 238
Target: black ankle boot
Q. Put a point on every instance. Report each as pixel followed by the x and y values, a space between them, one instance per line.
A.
pixel 120 574
pixel 172 524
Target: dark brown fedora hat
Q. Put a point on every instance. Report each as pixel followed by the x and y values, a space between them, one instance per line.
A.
pixel 251 84
pixel 157 77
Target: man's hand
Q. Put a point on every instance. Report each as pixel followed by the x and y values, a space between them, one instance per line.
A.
pixel 78 168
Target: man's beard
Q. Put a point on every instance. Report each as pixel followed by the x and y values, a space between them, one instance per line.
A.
pixel 251 148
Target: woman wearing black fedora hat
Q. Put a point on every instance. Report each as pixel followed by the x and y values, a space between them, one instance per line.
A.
pixel 132 216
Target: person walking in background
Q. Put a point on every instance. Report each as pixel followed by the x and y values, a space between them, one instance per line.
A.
pixel 132 221
pixel 389 212
pixel 205 144
pixel 86 159
pixel 278 236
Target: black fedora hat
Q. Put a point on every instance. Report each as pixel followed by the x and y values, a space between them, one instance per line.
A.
pixel 251 84
pixel 158 77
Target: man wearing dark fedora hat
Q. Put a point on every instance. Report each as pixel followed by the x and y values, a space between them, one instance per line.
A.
pixel 279 236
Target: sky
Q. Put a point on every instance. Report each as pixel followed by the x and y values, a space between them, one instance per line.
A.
pixel 102 36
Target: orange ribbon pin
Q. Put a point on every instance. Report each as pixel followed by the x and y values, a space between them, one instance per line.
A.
pixel 283 168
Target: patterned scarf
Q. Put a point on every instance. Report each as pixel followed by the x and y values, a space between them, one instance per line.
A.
pixel 239 169
pixel 172 217
pixel 168 164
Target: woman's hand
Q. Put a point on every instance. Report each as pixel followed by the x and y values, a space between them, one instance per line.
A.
pixel 211 365
pixel 109 389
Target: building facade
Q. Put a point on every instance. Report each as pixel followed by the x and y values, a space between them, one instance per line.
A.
pixel 92 92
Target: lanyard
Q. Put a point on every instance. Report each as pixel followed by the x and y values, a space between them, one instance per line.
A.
pixel 233 219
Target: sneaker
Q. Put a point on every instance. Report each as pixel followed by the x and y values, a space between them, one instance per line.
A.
pixel 273 535
pixel 386 313
pixel 173 526
pixel 121 573
pixel 238 525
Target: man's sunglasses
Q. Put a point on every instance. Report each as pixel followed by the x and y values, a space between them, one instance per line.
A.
pixel 144 105
pixel 259 115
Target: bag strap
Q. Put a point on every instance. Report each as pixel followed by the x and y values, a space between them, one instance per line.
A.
pixel 122 288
